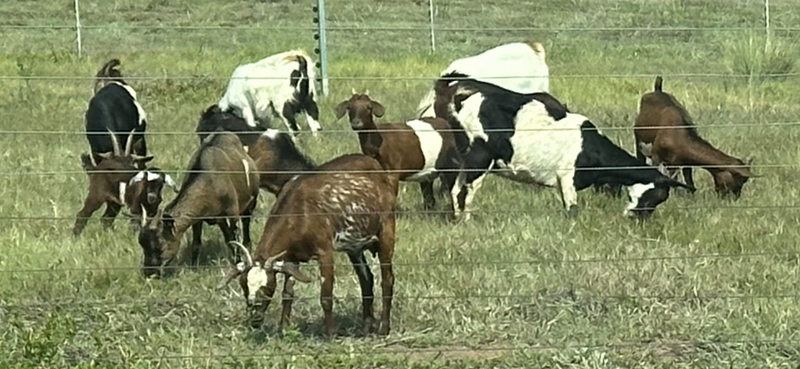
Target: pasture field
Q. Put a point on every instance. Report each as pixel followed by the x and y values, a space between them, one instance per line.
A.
pixel 706 283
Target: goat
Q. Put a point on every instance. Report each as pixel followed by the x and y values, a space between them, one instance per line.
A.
pixel 275 153
pixel 280 85
pixel 114 107
pixel 107 182
pixel 213 118
pixel 516 66
pixel 221 189
pixel 143 192
pixel 348 206
pixel 566 150
pixel 665 134
pixel 419 150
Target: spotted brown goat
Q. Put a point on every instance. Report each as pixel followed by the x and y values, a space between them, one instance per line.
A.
pixel 665 134
pixel 419 150
pixel 221 188
pixel 346 206
pixel 108 180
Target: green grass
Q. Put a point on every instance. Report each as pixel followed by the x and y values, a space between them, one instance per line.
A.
pixel 521 286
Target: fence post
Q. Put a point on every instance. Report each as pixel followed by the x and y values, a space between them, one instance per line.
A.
pixel 78 29
pixel 433 33
pixel 322 47
pixel 766 20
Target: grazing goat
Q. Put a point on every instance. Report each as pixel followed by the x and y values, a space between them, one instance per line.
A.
pixel 221 188
pixel 516 66
pixel 278 160
pixel 114 107
pixel 348 206
pixel 107 182
pixel 279 85
pixel 419 150
pixel 532 138
pixel 275 153
pixel 666 135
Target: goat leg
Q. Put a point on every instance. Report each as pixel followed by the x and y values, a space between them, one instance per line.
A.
pixel 197 236
pixel 429 201
pixel 687 176
pixel 112 209
pixel 90 205
pixel 366 280
pixel 288 298
pixel 386 241
pixel 326 291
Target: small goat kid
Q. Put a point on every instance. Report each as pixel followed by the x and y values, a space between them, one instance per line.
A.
pixel 114 107
pixel 347 207
pixel 221 189
pixel 279 85
pixel 666 135
pixel 107 182
pixel 515 134
pixel 503 66
pixel 143 192
pixel 418 150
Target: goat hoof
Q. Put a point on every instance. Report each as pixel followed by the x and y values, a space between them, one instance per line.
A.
pixel 573 212
pixel 383 330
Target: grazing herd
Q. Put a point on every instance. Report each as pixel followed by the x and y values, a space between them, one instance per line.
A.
pixel 474 121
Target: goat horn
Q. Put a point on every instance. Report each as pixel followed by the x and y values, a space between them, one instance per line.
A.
pixel 366 92
pixel 353 90
pixel 144 215
pixel 114 142
pixel 271 260
pixel 228 277
pixel 128 143
pixel 246 252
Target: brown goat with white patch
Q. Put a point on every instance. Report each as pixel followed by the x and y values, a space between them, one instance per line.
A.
pixel 107 182
pixel 347 206
pixel 143 193
pixel 419 150
pixel 666 134
pixel 221 189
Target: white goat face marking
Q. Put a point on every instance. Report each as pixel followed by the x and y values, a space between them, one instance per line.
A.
pixel 271 133
pixel 256 278
pixel 635 192
pixel 646 149
pixel 168 179
pixel 122 187
pixel 152 176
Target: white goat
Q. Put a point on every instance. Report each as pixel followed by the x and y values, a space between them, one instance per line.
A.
pixel 280 85
pixel 502 66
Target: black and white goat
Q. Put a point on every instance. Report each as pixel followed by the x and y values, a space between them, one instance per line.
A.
pixel 533 138
pixel 279 85
pixel 115 108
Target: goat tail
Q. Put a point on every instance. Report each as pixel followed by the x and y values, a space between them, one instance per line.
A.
pixel 109 71
pixel 657 85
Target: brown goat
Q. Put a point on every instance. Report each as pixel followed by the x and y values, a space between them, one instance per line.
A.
pixel 348 206
pixel 107 182
pixel 278 160
pixel 665 133
pixel 419 150
pixel 220 189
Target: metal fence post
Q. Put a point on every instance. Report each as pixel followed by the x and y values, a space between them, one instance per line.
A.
pixel 78 29
pixel 433 33
pixel 322 47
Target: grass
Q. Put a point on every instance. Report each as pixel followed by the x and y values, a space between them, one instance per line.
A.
pixel 707 283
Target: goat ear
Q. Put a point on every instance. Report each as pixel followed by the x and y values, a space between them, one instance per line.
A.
pixel 377 109
pixel 170 182
pixel 138 177
pixel 142 159
pixel 106 155
pixel 341 109
pixel 292 269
